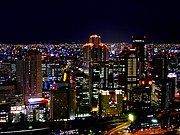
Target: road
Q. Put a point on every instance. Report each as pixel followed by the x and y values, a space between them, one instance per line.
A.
pixel 118 128
pixel 156 131
pixel 151 131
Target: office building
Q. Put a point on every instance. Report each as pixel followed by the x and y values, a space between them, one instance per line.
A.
pixel 128 70
pixel 139 44
pixel 94 51
pixel 159 68
pixel 159 75
pixel 140 99
pixel 105 88
pixel 62 102
pixel 82 95
pixel 29 75
pixel 95 54
pixel 178 70
pixel 111 102
pixel 169 95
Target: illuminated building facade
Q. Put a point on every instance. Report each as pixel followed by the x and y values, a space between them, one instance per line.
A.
pixel 128 70
pixel 139 44
pixel 111 102
pixel 94 51
pixel 99 77
pixel 7 91
pixel 4 111
pixel 177 96
pixel 82 95
pixel 95 56
pixel 95 84
pixel 159 76
pixel 51 72
pixel 169 94
pixel 6 69
pixel 36 108
pixel 178 70
pixel 159 70
pixel 62 102
pixel 140 99
pixel 156 96
pixel 104 88
pixel 7 83
pixel 29 75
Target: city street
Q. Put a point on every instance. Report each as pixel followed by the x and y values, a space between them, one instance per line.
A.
pixel 154 131
pixel 121 127
pixel 150 131
pixel 119 130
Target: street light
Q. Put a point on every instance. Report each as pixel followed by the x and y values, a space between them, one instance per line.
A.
pixel 125 98
pixel 154 120
pixel 150 82
pixel 143 82
pixel 131 117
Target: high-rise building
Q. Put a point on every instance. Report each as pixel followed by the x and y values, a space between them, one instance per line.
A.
pixel 95 54
pixel 105 93
pixel 7 89
pixel 128 70
pixel 169 95
pixel 94 51
pixel 140 99
pixel 62 103
pixel 159 68
pixel 160 77
pixel 82 94
pixel 139 44
pixel 29 75
pixel 62 97
pixel 178 70
pixel 5 68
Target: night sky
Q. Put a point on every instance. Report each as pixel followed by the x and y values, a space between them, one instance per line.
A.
pixel 52 21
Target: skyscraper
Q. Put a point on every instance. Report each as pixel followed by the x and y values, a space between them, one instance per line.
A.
pixel 62 101
pixel 159 75
pixel 139 44
pixel 29 75
pixel 95 64
pixel 178 70
pixel 140 99
pixel 94 51
pixel 82 94
pixel 129 72
pixel 160 70
pixel 62 96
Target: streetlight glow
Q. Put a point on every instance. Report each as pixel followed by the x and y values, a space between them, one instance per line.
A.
pixel 153 120
pixel 131 117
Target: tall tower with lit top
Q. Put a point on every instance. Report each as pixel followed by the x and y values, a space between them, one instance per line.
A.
pixel 139 44
pixel 95 57
pixel 94 51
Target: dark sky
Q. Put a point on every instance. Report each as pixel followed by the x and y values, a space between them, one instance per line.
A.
pixel 75 20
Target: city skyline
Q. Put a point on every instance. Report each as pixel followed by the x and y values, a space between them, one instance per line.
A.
pixel 74 21
pixel 133 86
